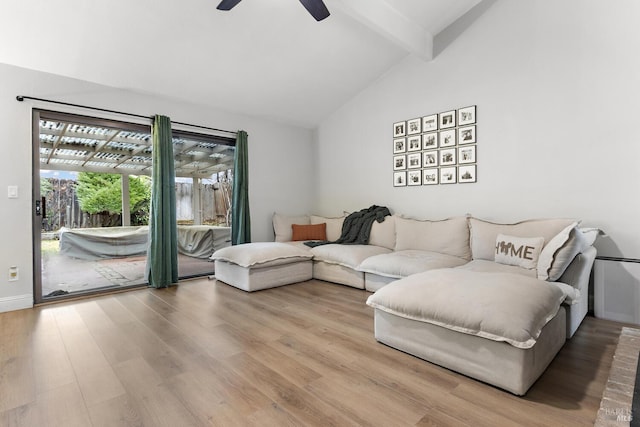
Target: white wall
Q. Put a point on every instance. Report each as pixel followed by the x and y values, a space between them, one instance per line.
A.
pixel 280 160
pixel 557 87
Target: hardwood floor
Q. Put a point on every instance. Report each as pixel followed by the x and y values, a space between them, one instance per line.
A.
pixel 204 353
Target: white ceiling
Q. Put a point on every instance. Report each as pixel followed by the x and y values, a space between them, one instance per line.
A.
pixel 266 58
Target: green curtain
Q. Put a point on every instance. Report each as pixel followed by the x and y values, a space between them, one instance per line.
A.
pixel 240 220
pixel 162 255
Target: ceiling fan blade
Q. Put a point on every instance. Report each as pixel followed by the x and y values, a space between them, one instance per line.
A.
pixel 316 8
pixel 227 4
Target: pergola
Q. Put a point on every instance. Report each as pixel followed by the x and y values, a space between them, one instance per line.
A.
pixel 76 147
pixel 71 143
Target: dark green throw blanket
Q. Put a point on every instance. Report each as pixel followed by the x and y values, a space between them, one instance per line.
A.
pixel 356 228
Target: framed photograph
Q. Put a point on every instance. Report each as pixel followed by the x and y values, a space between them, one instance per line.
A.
pixel 467 115
pixel 448 175
pixel 414 126
pixel 414 161
pixel 430 141
pixel 399 179
pixel 414 177
pixel 467 174
pixel 447 119
pixel 467 154
pixel 399 162
pixel 467 135
pixel 399 145
pixel 447 157
pixel 430 176
pixel 430 159
pixel 430 123
pixel 414 143
pixel 447 138
pixel 399 129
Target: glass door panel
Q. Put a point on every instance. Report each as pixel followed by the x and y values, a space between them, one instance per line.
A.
pixel 84 247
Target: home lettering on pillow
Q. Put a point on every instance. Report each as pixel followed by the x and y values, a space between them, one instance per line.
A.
pixel 509 249
pixel 519 251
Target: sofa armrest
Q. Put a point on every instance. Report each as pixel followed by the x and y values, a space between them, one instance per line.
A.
pixel 577 275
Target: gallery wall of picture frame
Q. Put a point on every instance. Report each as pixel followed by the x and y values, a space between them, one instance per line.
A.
pixel 436 149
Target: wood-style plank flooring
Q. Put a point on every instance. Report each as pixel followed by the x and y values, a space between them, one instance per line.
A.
pixel 204 353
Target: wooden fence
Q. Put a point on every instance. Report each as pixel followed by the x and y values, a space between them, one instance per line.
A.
pixel 63 209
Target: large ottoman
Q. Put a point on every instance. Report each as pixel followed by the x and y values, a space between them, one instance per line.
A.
pixel 256 266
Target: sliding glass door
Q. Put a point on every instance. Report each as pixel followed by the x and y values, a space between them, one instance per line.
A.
pixel 92 196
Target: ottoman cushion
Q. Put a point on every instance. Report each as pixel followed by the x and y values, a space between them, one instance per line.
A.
pixel 262 254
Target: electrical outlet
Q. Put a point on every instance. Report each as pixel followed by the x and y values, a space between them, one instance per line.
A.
pixel 13 274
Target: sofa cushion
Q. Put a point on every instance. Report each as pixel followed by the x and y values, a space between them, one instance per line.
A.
pixel 483 266
pixel 309 232
pixel 577 240
pixel 346 255
pixel 405 263
pixel 449 236
pixel 334 225
pixel 519 251
pixel 262 254
pixel 384 233
pixel 497 306
pixel 282 225
pixel 484 234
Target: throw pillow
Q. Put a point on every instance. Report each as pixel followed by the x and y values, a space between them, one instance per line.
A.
pixel 519 251
pixel 309 232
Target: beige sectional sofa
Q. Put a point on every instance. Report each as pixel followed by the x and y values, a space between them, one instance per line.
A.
pixel 527 282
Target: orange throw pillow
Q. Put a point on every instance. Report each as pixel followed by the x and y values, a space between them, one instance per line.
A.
pixel 309 232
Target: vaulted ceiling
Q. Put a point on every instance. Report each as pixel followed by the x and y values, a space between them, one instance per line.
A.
pixel 265 58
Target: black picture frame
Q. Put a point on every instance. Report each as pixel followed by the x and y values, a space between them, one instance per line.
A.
pixel 414 177
pixel 467 115
pixel 448 175
pixel 430 176
pixel 400 162
pixel 430 159
pixel 430 141
pixel 447 138
pixel 400 179
pixel 399 129
pixel 414 143
pixel 430 123
pixel 466 154
pixel 414 161
pixel 414 126
pixel 447 157
pixel 399 145
pixel 467 135
pixel 467 174
pixel 447 120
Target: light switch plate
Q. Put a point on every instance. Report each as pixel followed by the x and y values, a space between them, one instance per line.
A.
pixel 12 191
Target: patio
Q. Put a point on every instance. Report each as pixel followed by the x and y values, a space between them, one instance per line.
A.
pixel 62 275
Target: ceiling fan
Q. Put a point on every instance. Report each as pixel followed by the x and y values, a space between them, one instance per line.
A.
pixel 316 8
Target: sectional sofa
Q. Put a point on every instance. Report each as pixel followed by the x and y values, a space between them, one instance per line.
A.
pixel 492 301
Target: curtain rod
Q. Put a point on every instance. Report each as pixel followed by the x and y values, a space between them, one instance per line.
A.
pixel 21 98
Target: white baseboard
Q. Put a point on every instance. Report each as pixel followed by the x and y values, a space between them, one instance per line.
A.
pixel 16 302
